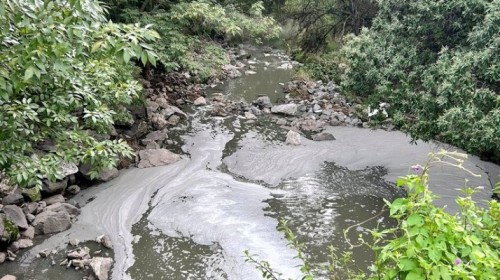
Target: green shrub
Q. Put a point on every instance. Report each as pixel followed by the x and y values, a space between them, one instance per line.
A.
pixel 436 63
pixel 64 71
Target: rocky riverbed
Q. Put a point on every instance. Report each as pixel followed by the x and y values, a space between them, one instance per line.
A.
pixel 231 134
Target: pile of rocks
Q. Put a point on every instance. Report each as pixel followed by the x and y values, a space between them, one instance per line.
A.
pixel 93 264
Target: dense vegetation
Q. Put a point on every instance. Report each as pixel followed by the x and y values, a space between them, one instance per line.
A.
pixel 64 72
pixel 191 31
pixel 436 63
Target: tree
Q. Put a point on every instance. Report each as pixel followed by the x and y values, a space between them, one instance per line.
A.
pixel 65 75
pixel 321 20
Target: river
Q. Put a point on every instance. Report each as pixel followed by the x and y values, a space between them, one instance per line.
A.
pixel 193 219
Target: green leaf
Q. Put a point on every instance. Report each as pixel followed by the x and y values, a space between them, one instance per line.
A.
pixel 415 220
pixel 29 73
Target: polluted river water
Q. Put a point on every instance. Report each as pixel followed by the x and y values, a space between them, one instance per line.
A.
pixel 194 219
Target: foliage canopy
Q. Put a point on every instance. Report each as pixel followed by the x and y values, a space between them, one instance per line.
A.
pixel 64 76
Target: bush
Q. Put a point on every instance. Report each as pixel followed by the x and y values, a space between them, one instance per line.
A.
pixel 436 63
pixel 64 72
pixel 191 33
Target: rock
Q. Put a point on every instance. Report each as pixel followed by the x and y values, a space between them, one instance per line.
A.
pixel 287 109
pixel 74 242
pixel 311 125
pixel 9 277
pixel 16 197
pixel 8 230
pixel 73 189
pixel 157 135
pixel 79 254
pixel 30 208
pixel 335 122
pixel 101 266
pixel 158 121
pixel 41 206
pixel 151 144
pixel 3 256
pixel 292 138
pixel 171 110
pixel 138 130
pixel 231 71
pixel 219 111
pixel 44 253
pixel 200 101
pixel 58 198
pixel 22 244
pixel 174 120
pixel 250 72
pixel 32 194
pixel 281 121
pixel 250 116
pixel 108 175
pixel 68 168
pixel 157 157
pixel 218 97
pixel 162 102
pixel 317 108
pixel 51 222
pixel 30 218
pixel 263 102
pixel 323 137
pixel 16 215
pixel 65 207
pixel 54 187
pixel 28 233
pixel 105 241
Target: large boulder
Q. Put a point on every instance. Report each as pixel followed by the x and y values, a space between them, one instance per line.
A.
pixel 156 157
pixel 15 197
pixel 101 266
pixel 51 222
pixel 16 215
pixel 66 207
pixel 8 230
pixel 8 277
pixel 58 198
pixel 32 194
pixel 292 138
pixel 54 187
pixel 286 109
pixel 263 102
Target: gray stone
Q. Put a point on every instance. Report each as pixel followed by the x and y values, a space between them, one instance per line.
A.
pixel 30 208
pixel 3 256
pixel 30 218
pixel 158 121
pixel 281 121
pixel 22 243
pixel 158 135
pixel 323 137
pixel 105 241
pixel 101 266
pixel 32 194
pixel 286 109
pixel 157 157
pixel 250 116
pixel 16 197
pixel 335 122
pixel 317 108
pixel 44 253
pixel 311 125
pixel 51 222
pixel 58 207
pixel 16 215
pixel 68 168
pixel 54 187
pixel 73 189
pixel 9 277
pixel 292 138
pixel 79 253
pixel 174 120
pixel 263 102
pixel 108 175
pixel 58 198
pixel 28 233
pixel 200 101
pixel 150 144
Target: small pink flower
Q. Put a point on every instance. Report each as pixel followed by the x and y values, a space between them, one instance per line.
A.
pixel 417 168
pixel 457 261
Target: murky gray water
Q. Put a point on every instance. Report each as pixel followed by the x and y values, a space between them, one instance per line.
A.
pixel 193 219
